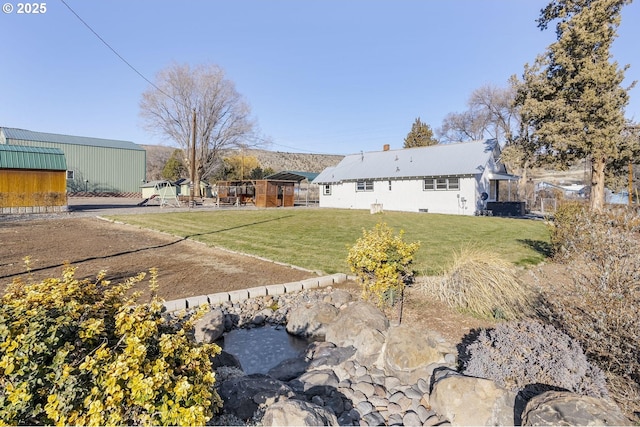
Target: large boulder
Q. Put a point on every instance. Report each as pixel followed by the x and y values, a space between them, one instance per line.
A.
pixel 291 412
pixel 289 369
pixel 210 327
pixel 362 326
pixel 470 401
pixel 566 408
pixel 242 396
pixel 411 354
pixel 311 320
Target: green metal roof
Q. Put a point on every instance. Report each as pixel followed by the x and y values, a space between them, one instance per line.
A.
pixel 21 157
pixel 28 135
pixel 293 176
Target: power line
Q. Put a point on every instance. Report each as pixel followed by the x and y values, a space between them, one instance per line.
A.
pixel 118 55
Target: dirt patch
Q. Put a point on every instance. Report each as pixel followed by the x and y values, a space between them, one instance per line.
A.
pixel 186 268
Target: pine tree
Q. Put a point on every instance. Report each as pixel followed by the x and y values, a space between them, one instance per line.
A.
pixel 174 168
pixel 572 96
pixel 420 135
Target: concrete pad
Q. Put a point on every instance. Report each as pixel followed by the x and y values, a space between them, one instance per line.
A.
pixel 310 283
pixel 339 278
pixel 275 289
pixel 218 298
pixel 194 302
pixel 175 305
pixel 293 286
pixel 240 295
pixel 259 291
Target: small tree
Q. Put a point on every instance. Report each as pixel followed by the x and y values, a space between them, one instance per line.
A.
pixel 420 135
pixel 382 262
pixel 84 353
pixel 174 168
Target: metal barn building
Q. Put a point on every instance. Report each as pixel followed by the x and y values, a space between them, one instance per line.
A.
pixel 93 165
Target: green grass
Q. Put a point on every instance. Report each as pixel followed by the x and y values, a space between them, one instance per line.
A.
pixel 318 239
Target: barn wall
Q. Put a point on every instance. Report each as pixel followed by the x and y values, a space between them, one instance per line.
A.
pixel 25 188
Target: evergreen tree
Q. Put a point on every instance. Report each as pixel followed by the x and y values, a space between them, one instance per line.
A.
pixel 572 96
pixel 420 135
pixel 174 168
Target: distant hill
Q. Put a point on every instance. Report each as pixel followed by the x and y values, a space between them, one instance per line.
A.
pixel 157 156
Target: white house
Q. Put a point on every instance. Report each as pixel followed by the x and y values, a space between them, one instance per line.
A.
pixel 455 178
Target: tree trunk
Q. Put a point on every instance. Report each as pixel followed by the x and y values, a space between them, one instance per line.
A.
pixel 597 184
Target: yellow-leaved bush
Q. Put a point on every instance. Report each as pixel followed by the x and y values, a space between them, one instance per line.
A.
pixel 382 262
pixel 82 352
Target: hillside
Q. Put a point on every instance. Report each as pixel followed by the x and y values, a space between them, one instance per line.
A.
pixel 157 156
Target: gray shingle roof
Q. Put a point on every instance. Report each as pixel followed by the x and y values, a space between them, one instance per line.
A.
pixel 463 158
pixel 28 135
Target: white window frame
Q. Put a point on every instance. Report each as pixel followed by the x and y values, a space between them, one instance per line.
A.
pixel 364 185
pixel 70 175
pixel 441 184
pixel 326 190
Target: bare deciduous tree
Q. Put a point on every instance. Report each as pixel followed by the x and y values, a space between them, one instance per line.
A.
pixel 222 116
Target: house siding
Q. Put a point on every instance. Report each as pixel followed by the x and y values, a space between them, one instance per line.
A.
pixel 405 195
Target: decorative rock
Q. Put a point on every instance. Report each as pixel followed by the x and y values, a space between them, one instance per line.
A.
pixel 411 419
pixel 291 412
pixel 210 327
pixel 340 297
pixel 319 382
pixel 471 401
pixel 366 388
pixel 311 321
pixel 364 407
pixel 243 395
pixel 409 352
pixel 566 408
pixel 289 369
pixel 371 325
pixel 374 419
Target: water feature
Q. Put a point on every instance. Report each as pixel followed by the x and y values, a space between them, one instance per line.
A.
pixel 260 349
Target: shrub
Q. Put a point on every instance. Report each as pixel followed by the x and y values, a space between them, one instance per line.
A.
pixel 600 306
pixel 382 262
pixel 82 352
pixel 562 227
pixel 481 283
pixel 520 354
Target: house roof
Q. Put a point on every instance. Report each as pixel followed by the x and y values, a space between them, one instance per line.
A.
pixel 21 157
pixel 292 176
pixel 28 135
pixel 463 158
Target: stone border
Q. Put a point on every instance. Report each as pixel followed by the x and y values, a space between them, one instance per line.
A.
pixel 244 294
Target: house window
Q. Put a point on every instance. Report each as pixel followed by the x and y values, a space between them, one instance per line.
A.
pixel 70 174
pixel 389 185
pixel 364 185
pixel 326 190
pixel 441 184
pixel 429 184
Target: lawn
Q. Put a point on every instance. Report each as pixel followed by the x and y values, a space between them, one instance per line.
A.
pixel 318 239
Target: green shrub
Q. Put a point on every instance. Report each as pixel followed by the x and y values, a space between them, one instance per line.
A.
pixel 382 262
pixel 82 352
pixel 562 227
pixel 481 283
pixel 518 355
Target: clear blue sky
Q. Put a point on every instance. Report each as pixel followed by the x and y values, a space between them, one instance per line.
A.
pixel 321 76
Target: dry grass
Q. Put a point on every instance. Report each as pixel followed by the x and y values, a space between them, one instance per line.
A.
pixel 483 284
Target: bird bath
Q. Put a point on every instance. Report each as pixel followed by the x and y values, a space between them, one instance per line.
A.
pixel 260 349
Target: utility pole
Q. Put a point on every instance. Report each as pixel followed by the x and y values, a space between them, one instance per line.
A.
pixel 193 161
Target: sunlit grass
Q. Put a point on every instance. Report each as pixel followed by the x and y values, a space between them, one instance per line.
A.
pixel 318 239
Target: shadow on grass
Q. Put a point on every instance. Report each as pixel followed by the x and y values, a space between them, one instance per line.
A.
pixel 543 248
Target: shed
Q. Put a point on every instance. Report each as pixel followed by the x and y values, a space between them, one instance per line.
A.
pixel 94 165
pixel 32 179
pixel 264 193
